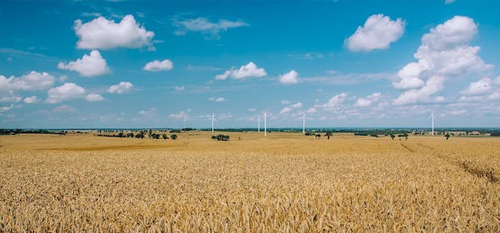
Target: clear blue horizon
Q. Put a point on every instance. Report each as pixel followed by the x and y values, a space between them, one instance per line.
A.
pixel 172 64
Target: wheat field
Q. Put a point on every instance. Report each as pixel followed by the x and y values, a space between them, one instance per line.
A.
pixel 285 182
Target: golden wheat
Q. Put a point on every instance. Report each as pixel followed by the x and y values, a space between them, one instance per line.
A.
pixel 283 183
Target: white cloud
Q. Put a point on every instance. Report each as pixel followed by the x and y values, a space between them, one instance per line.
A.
pixel 494 96
pixel 285 110
pixel 482 90
pixel 335 102
pixel 291 107
pixel 285 102
pixel 410 75
pixel 378 32
pixel 150 112
pixel 101 33
pixel 157 65
pixel 6 108
pixel 453 33
pixel 478 88
pixel 449 1
pixel 32 81
pixel 87 66
pixel 312 110
pixel 223 76
pixel 31 100
pixel 297 105
pixel 248 70
pixel 497 80
pixel 445 52
pixel 464 98
pixel 216 99
pixel 179 88
pixel 369 100
pixel 120 88
pixel 252 110
pixel 68 91
pixel 204 26
pixel 432 86
pixel 291 77
pixel 94 97
pixel 307 56
pixel 245 71
pixel 182 115
pixel 9 96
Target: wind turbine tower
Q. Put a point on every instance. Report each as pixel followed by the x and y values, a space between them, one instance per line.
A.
pixel 432 119
pixel 265 124
pixel 213 121
pixel 304 124
pixel 258 124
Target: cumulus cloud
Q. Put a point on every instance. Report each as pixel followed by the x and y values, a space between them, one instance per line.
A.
pixel 120 88
pixel 312 110
pixel 216 99
pixel 494 96
pixel 67 91
pixel 31 100
pixel 32 81
pixel 369 100
pixel 87 66
pixel 9 96
pixel 378 32
pixel 204 26
pixel 182 115
pixel 285 110
pixel 431 87
pixel 482 90
pixel 291 107
pixel 445 52
pixel 101 33
pixel 291 77
pixel 6 108
pixel 157 65
pixel 449 1
pixel 297 105
pixel 335 102
pixel 150 112
pixel 179 88
pixel 245 71
pixel 478 88
pixel 92 97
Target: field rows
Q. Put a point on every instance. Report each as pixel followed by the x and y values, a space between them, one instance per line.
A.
pixel 343 186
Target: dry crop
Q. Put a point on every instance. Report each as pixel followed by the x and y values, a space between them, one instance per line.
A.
pixel 284 183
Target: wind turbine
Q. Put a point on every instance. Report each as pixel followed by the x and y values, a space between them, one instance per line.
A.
pixel 213 120
pixel 304 124
pixel 432 118
pixel 265 124
pixel 258 124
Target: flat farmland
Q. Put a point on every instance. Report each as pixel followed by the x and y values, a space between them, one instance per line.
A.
pixel 284 182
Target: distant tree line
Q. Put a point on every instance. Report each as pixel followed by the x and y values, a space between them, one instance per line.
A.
pixel 221 137
pixel 140 135
pixel 33 131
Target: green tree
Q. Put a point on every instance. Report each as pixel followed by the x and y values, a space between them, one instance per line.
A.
pixel 328 135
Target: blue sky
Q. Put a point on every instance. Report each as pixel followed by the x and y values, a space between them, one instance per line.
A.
pixel 89 64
